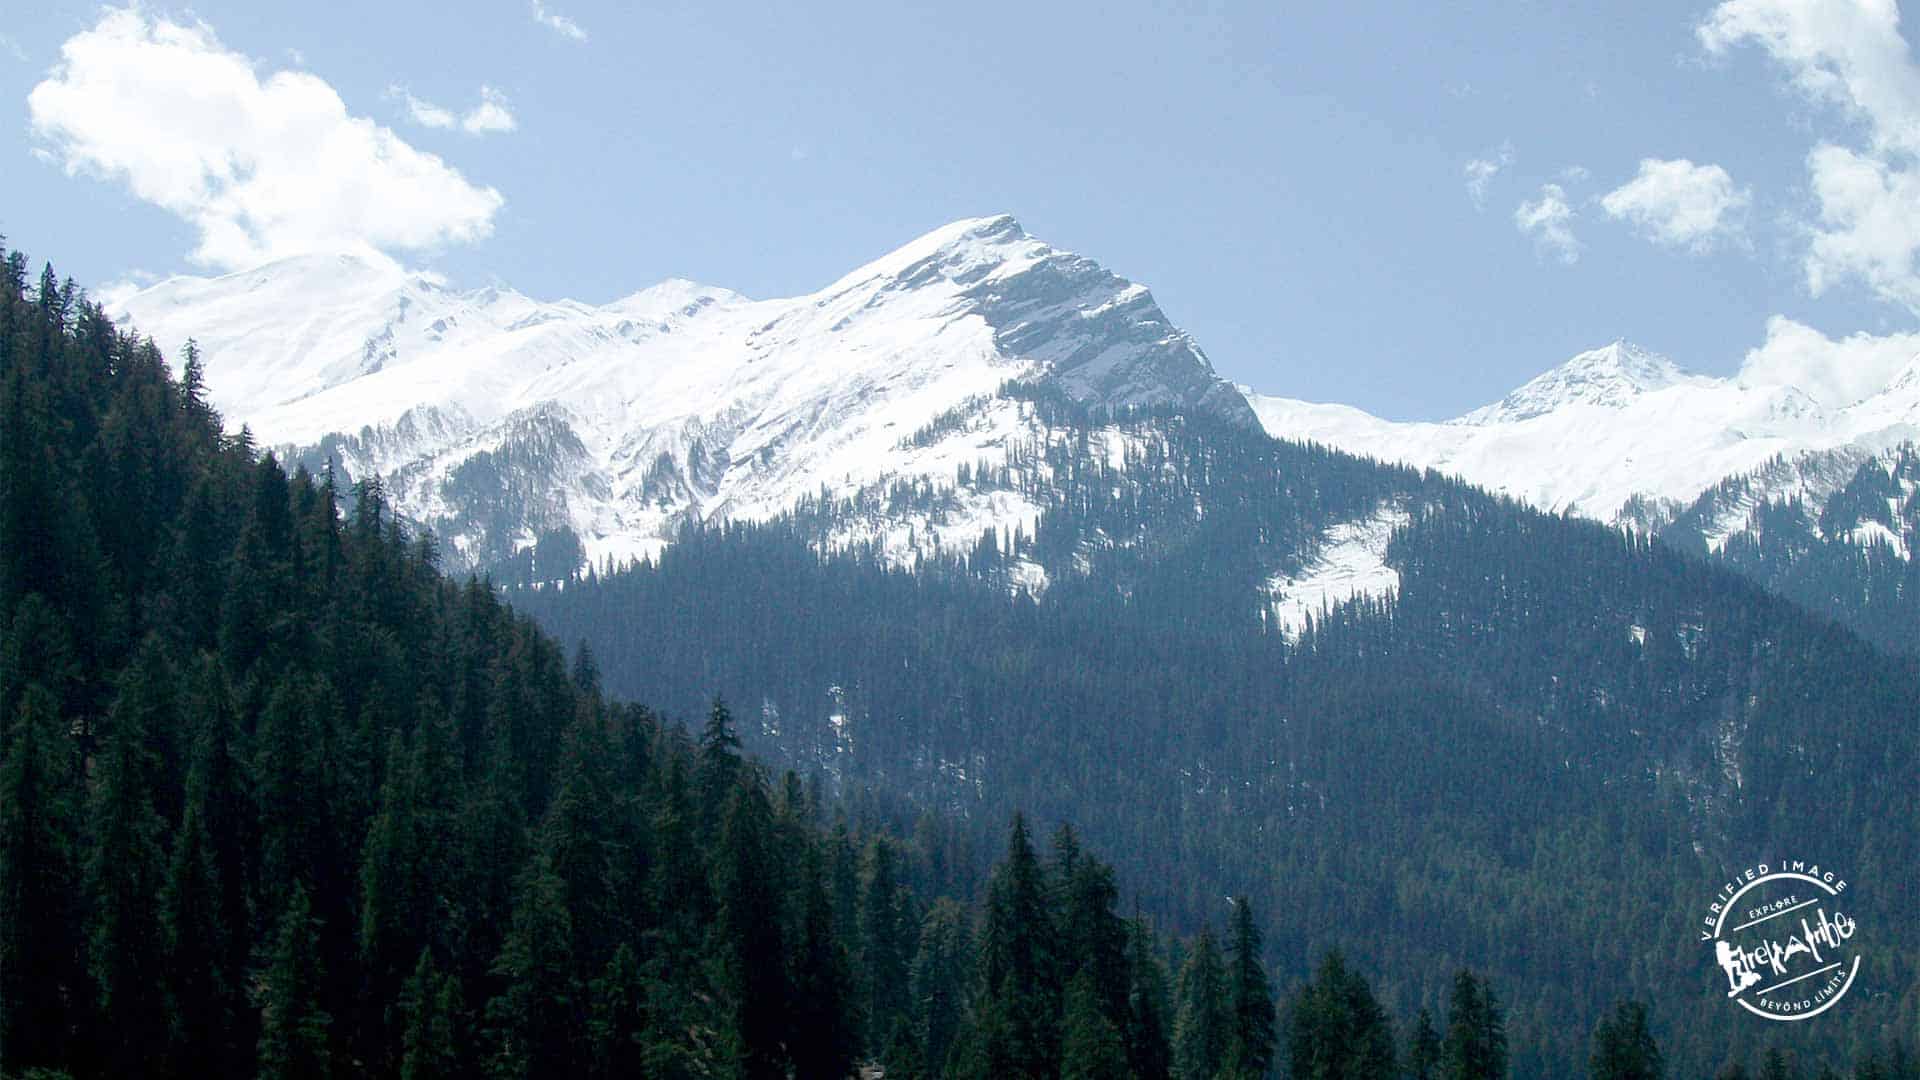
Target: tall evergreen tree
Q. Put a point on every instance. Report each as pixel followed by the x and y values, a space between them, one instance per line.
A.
pixel 747 939
pixel 1476 1044
pixel 1250 1035
pixel 1018 1034
pixel 1423 1049
pixel 822 1036
pixel 618 1028
pixel 942 978
pixel 719 766
pixel 1149 1053
pixel 434 1039
pixel 1337 1029
pixel 1203 1023
pixel 42 982
pixel 127 950
pixel 537 1019
pixel 885 944
pixel 294 1039
pixel 1623 1048
pixel 1091 1048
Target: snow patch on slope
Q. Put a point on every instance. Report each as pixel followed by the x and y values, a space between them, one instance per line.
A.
pixel 1352 561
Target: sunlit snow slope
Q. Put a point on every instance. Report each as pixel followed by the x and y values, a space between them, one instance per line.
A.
pixel 1620 434
pixel 499 420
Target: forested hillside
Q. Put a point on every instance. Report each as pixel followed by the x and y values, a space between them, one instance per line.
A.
pixel 1853 559
pixel 1539 756
pixel 277 799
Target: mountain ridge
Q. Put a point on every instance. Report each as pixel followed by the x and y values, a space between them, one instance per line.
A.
pixel 678 402
pixel 509 425
pixel 1612 426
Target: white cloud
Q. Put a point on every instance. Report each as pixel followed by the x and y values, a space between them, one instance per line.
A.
pixel 425 113
pixel 1575 174
pixel 1851 55
pixel 1869 224
pixel 262 164
pixel 1836 373
pixel 13 48
pixel 491 116
pixel 1680 204
pixel 1481 171
pixel 557 22
pixel 1848 53
pixel 1549 220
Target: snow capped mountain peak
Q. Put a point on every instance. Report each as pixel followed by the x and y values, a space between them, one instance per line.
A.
pixel 1617 430
pixel 1610 376
pixel 674 296
pixel 498 419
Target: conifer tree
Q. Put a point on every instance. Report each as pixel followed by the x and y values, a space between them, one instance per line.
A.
pixel 618 1027
pixel 42 983
pixel 536 1021
pixel 747 935
pixel 1250 1036
pixel 1623 1048
pixel 434 1038
pixel 1091 937
pixel 942 979
pixel 1201 1027
pixel 1149 1054
pixel 294 1042
pixel 1423 1049
pixel 885 949
pixel 1476 1044
pixel 904 1056
pixel 719 766
pixel 822 1036
pixel 126 946
pixel 1337 1029
pixel 1091 1048
pixel 1018 1032
pixel 202 992
pixel 843 885
pixel 581 839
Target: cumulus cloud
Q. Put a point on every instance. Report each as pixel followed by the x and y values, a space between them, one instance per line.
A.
pixel 262 164
pixel 1549 220
pixel 491 116
pixel 1481 171
pixel 1680 204
pixel 1834 372
pixel 557 22
pixel 1850 55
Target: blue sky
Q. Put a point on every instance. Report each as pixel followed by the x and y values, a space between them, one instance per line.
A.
pixel 1410 207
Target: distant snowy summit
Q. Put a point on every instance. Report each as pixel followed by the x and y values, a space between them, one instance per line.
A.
pixel 1624 435
pixel 503 422
pixel 525 431
pixel 1612 376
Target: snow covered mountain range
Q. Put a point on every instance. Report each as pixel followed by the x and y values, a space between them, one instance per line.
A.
pixel 499 420
pixel 513 426
pixel 1623 435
